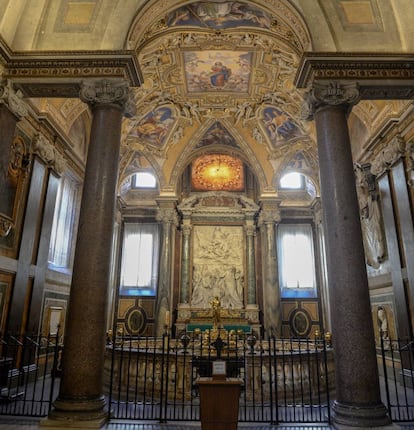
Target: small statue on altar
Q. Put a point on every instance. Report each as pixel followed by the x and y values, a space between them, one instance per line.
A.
pixel 215 304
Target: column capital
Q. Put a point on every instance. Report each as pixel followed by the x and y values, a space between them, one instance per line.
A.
pixel 167 216
pixel 12 99
pixel 107 92
pixel 332 93
pixel 269 216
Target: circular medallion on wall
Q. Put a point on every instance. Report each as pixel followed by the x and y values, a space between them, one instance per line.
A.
pixel 135 320
pixel 300 322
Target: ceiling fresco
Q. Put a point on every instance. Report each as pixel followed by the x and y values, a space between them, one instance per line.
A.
pixel 222 15
pixel 217 71
pixel 218 76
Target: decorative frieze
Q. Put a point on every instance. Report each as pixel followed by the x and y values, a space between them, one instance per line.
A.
pixel 379 77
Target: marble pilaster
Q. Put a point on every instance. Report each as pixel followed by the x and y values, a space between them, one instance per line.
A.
pixel 250 230
pixel 80 402
pixel 185 264
pixel 270 215
pixel 358 400
pixel 167 216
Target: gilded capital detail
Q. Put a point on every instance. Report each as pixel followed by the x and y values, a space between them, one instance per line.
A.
pixel 105 92
pixel 329 94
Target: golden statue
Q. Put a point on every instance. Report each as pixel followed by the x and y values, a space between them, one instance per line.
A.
pixel 216 311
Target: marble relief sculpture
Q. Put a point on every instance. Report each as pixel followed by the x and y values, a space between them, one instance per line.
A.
pixel 218 267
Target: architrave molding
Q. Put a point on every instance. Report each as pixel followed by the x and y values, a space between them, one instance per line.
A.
pixel 58 74
pixel 385 77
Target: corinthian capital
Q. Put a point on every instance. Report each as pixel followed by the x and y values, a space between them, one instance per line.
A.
pixel 106 92
pixel 12 99
pixel 329 94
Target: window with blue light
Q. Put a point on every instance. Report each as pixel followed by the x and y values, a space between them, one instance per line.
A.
pixel 140 257
pixel 297 277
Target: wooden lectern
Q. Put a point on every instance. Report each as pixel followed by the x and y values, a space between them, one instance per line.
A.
pixel 219 403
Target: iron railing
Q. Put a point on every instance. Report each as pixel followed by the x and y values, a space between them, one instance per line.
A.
pixel 29 370
pixel 156 379
pixel 398 378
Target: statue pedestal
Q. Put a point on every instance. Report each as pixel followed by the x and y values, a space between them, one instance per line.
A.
pixel 219 403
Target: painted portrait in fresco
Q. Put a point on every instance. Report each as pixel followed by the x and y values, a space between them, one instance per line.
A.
pixel 217 71
pixel 216 15
pixel 155 126
pixel 279 126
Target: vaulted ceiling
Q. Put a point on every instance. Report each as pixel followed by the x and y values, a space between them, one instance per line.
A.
pixel 218 77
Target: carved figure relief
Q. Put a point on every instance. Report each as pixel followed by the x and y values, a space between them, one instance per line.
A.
pixel 371 220
pixel 218 266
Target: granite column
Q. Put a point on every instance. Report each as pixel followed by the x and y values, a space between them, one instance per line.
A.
pixel 81 401
pixel 358 400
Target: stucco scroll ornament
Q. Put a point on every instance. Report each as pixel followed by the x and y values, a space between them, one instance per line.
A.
pixel 13 99
pixel 107 92
pixel 331 93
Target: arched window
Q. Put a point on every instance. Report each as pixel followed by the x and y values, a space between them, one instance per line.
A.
pixel 292 181
pixel 143 180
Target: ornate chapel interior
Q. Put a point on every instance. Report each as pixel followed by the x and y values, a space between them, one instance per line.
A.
pixel 212 182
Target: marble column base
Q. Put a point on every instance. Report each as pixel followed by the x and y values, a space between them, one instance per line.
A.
pixel 344 416
pixel 74 414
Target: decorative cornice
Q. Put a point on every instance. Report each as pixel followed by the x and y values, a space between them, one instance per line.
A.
pixel 378 77
pixel 56 74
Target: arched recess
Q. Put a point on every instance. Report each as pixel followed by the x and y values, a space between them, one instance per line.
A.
pixel 302 158
pixel 242 150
